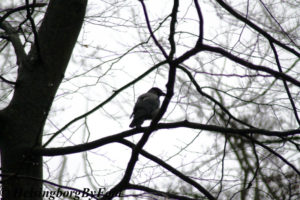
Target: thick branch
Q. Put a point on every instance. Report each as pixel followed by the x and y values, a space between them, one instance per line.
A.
pixel 182 124
pixel 86 146
pixel 33 28
pixel 16 42
pixel 172 29
pixel 201 22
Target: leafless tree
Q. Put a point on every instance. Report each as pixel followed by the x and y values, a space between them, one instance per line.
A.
pixel 228 127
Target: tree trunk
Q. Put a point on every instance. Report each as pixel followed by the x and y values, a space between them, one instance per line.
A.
pixel 39 77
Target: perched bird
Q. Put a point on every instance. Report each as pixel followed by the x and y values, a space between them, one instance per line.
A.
pixel 146 107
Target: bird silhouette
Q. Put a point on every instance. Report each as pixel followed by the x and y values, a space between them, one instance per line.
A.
pixel 146 107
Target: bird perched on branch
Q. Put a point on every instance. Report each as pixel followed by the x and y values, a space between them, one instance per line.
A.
pixel 146 107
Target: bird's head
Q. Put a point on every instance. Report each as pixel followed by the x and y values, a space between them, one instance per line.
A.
pixel 157 91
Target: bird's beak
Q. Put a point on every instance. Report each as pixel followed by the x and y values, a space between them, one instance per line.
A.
pixel 163 94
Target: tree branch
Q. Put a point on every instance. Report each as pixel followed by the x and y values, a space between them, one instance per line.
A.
pixel 16 42
pixel 255 27
pixel 86 146
pixel 250 65
pixel 273 152
pixel 198 88
pixel 170 169
pixel 166 195
pixel 181 124
pixel 170 91
pixel 201 22
pixel 33 28
pixel 151 32
pixel 10 11
pixel 172 29
pixel 7 81
pixel 116 92
pixel 284 82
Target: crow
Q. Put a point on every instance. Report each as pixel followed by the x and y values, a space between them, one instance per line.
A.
pixel 146 107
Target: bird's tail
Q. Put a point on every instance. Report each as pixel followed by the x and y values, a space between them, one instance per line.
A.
pixel 136 122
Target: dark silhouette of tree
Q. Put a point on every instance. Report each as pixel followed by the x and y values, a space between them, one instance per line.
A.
pixel 40 72
pixel 231 76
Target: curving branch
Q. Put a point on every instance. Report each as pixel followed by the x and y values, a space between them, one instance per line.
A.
pixel 10 11
pixel 255 27
pixel 170 169
pixel 86 146
pixel 198 88
pixel 286 87
pixel 201 22
pixel 13 37
pixel 151 32
pixel 181 124
pixel 273 152
pixel 116 92
pixel 203 47
pixel 33 27
pixel 250 65
pixel 7 81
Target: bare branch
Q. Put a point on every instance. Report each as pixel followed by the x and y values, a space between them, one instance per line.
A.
pixel 20 8
pixel 201 21
pixel 172 29
pixel 150 30
pixel 16 42
pixel 273 152
pixel 33 28
pixel 255 27
pixel 181 124
pixel 239 60
pixel 198 88
pixel 170 168
pixel 284 83
pixel 282 29
pixel 7 81
pixel 104 102
pixel 157 192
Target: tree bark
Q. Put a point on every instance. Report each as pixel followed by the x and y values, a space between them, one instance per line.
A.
pixel 39 76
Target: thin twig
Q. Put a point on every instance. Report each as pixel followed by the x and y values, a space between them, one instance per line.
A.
pixel 170 169
pixel 7 81
pixel 33 28
pixel 116 92
pixel 10 11
pixel 255 27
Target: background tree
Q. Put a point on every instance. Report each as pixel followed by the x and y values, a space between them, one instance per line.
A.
pixel 39 74
pixel 229 123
